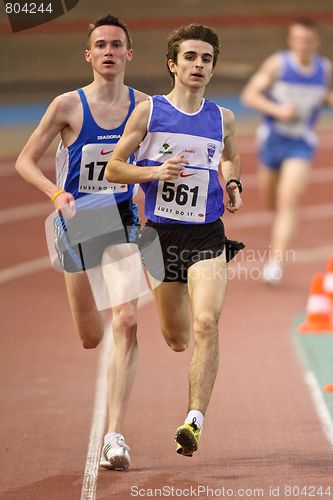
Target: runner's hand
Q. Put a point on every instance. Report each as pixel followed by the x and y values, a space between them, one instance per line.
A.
pixel 64 204
pixel 235 201
pixel 172 168
pixel 287 113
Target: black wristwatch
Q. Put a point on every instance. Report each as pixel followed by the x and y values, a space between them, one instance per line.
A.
pixel 236 181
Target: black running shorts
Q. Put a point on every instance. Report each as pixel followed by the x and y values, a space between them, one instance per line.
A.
pixel 185 244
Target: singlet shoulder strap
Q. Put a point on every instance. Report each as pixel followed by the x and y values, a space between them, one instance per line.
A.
pixel 132 102
pixel 86 110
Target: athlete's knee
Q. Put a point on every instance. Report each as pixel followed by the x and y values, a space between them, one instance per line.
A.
pixel 286 203
pixel 89 341
pixel 90 329
pixel 288 199
pixel 205 324
pixel 89 344
pixel 178 342
pixel 124 318
pixel 178 346
pixel 124 329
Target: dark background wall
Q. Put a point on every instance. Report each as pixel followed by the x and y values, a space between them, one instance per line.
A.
pixel 42 62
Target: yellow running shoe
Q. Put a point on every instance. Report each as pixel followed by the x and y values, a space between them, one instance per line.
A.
pixel 187 438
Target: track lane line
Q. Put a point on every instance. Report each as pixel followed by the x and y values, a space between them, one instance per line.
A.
pixel 89 483
pixel 98 422
pixel 320 406
pixel 21 212
pixel 8 274
pixel 265 217
pixel 24 269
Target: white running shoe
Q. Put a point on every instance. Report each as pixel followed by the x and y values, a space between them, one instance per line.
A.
pixel 272 272
pixel 115 453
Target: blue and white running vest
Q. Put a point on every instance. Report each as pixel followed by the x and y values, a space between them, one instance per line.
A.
pixel 196 196
pixel 306 91
pixel 80 167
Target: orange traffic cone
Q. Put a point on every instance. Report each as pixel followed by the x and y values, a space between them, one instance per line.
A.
pixel 328 387
pixel 328 279
pixel 318 318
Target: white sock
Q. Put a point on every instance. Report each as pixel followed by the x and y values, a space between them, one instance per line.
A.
pixel 197 415
pixel 108 437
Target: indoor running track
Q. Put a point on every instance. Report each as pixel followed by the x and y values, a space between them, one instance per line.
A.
pixel 262 430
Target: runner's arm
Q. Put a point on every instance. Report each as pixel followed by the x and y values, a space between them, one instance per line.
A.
pixel 329 96
pixel 254 92
pixel 230 164
pixel 117 170
pixel 53 121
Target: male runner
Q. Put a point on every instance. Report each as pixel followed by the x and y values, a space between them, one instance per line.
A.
pixel 90 121
pixel 290 89
pixel 184 139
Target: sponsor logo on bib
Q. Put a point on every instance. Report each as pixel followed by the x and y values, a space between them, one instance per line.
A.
pixel 211 148
pixel 165 149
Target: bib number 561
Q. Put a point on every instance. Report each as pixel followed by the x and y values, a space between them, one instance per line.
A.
pixel 180 194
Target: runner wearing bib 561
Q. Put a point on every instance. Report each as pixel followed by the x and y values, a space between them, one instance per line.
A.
pixel 184 140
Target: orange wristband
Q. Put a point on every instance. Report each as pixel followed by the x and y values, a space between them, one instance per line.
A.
pixel 55 196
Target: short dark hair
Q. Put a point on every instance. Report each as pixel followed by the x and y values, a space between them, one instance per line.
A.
pixel 109 21
pixel 191 32
pixel 306 22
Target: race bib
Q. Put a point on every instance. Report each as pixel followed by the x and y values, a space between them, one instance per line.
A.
pixel 93 163
pixel 183 199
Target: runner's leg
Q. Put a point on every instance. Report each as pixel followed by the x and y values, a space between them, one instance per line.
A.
pixel 173 308
pixel 292 183
pixel 89 322
pixel 207 281
pixel 123 363
pixel 268 181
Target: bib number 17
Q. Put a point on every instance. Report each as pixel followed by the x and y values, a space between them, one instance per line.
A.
pixel 91 168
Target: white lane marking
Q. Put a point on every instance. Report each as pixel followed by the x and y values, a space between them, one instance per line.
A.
pixel 320 406
pixel 317 176
pixel 264 218
pixel 24 269
pixel 89 483
pixel 7 167
pixel 255 260
pixel 23 212
pixel 313 254
pixel 88 491
pixel 33 266
pixel 261 218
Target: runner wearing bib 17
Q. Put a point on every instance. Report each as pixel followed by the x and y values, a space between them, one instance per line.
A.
pixel 80 171
pixel 182 140
pixel 90 121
